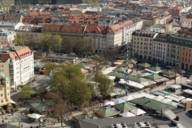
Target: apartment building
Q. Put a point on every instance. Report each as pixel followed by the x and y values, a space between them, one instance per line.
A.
pixel 164 18
pixel 102 37
pixel 21 65
pixel 163 48
pixel 186 20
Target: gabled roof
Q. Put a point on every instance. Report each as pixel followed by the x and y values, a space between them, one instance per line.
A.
pixel 120 25
pixel 14 53
pixel 125 107
pixel 90 28
pixel 107 112
pixel 152 104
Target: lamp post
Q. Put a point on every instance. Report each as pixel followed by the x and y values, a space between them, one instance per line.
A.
pixel 127 59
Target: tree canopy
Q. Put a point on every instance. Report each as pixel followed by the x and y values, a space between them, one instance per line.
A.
pixel 104 84
pixel 26 91
pixel 48 42
pixel 70 84
pixel 93 2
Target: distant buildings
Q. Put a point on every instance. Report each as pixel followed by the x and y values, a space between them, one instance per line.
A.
pixel 163 48
pixel 103 37
pixel 108 34
pixel 18 65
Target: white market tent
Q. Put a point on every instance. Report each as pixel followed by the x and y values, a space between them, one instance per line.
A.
pixel 138 111
pixel 118 101
pixel 188 91
pixel 111 77
pixel 131 83
pixel 35 116
pixel 108 70
pixel 127 114
pixel 109 103
pixel 169 114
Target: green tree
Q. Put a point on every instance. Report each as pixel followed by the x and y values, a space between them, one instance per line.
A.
pixel 26 92
pixel 21 39
pixel 18 39
pixel 79 93
pixel 92 2
pixel 104 84
pixel 46 40
pixel 57 41
pixel 68 82
pixel 60 107
pixel 49 67
pixel 50 42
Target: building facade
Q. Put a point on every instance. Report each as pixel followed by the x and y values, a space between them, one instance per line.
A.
pixel 102 37
pixel 6 4
pixel 21 65
pixel 5 98
pixel 186 21
pixel 163 48
pixel 6 38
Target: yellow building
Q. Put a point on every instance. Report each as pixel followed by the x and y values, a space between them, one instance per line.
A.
pixel 5 98
pixel 5 5
pixel 188 105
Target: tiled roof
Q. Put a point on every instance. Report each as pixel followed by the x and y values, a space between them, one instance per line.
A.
pixel 36 19
pixel 67 28
pixel 120 25
pixel 38 13
pixel 14 53
pixel 90 28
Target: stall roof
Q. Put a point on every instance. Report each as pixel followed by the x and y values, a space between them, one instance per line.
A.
pixel 188 91
pixel 127 114
pixel 108 70
pixel 175 86
pixel 107 112
pixel 132 84
pixel 125 107
pixel 152 104
pixel 35 116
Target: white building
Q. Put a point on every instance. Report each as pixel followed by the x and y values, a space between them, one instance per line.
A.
pixel 21 65
pixel 6 38
pixel 186 21
pixel 114 35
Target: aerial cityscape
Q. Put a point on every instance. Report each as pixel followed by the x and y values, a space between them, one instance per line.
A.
pixel 95 63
